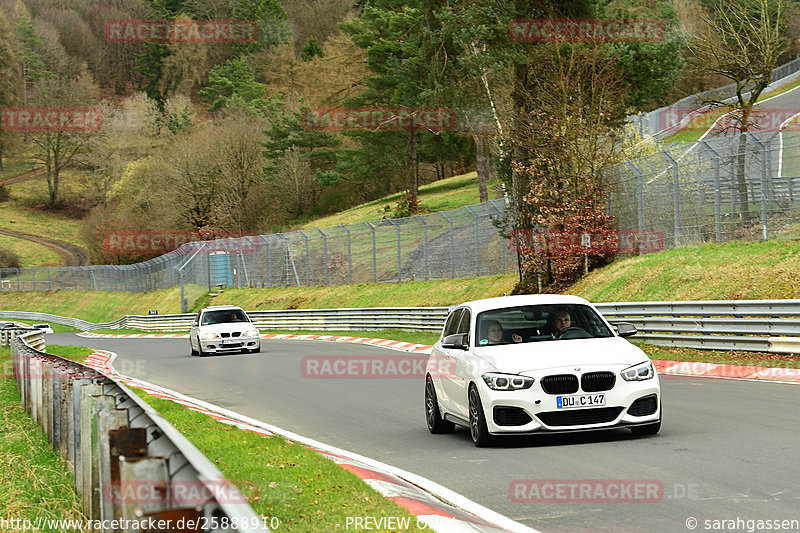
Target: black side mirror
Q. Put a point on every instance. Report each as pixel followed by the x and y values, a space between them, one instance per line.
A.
pixel 456 342
pixel 625 329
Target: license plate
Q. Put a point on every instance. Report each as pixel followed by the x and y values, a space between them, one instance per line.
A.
pixel 227 342
pixel 580 400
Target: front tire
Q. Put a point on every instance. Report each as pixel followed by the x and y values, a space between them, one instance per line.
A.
pixel 477 421
pixel 433 417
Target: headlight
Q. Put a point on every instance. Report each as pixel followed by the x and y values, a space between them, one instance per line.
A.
pixel 251 333
pixel 639 372
pixel 208 335
pixel 507 381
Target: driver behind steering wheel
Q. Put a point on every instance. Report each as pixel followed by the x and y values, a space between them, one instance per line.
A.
pixel 558 322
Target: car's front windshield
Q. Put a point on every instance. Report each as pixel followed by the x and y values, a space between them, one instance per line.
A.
pixel 535 323
pixel 223 316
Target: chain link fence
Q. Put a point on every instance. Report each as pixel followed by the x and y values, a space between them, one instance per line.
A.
pixel 657 123
pixel 459 243
pixel 730 187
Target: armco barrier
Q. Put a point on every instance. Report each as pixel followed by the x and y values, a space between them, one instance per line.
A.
pixel 751 325
pixel 129 463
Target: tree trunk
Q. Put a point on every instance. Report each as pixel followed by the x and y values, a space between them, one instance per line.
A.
pixel 741 178
pixel 413 188
pixel 482 168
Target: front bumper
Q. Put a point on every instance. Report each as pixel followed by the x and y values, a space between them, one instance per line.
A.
pixel 233 344
pixel 506 412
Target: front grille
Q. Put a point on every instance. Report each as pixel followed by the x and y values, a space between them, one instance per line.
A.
pixel 560 384
pixel 644 406
pixel 226 335
pixel 580 417
pixel 511 416
pixel 598 381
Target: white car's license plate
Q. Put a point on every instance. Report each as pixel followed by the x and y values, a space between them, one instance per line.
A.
pixel 227 342
pixel 580 400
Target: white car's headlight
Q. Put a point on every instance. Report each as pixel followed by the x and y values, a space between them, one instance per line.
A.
pixel 639 372
pixel 208 336
pixel 507 381
pixel 251 332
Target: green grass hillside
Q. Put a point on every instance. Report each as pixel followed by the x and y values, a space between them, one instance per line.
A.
pixel 730 271
pixel 442 195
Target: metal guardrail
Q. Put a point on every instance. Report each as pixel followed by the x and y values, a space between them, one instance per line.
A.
pixel 752 325
pixel 749 325
pixel 130 464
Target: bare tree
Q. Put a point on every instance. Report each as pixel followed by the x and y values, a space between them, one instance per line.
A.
pixel 295 185
pixel 239 160
pixel 741 41
pixel 56 147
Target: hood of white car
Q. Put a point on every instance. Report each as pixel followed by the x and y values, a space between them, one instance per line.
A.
pixel 543 355
pixel 227 327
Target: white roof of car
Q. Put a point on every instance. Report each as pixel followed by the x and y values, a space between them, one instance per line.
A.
pixel 500 302
pixel 218 307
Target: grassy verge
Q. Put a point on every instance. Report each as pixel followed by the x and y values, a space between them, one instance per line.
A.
pixel 19 218
pixel 299 487
pixel 408 294
pixel 33 481
pixel 30 254
pixel 730 271
pixel 442 195
pixel 73 353
pixel 732 357
pixel 98 306
pixel 693 132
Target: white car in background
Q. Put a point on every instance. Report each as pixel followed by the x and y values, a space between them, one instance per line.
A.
pixel 503 367
pixel 223 329
pixel 45 327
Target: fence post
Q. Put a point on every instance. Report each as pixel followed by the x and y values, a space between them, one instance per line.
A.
pixel 477 241
pixel 717 192
pixel 269 261
pixel 676 196
pixel 764 216
pixel 452 247
pixel 424 244
pixel 399 258
pixel 349 255
pixel 324 254
pixel 308 267
pixel 502 240
pixel 374 259
pixel 639 195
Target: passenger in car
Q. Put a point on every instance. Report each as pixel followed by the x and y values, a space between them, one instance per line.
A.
pixel 494 333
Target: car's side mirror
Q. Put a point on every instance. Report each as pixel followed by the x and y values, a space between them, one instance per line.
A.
pixel 625 329
pixel 458 341
pixel 194 324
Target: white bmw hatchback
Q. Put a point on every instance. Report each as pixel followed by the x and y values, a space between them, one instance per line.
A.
pixel 535 364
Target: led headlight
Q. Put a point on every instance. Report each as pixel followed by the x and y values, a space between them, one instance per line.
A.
pixel 251 332
pixel 639 372
pixel 507 381
pixel 208 336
